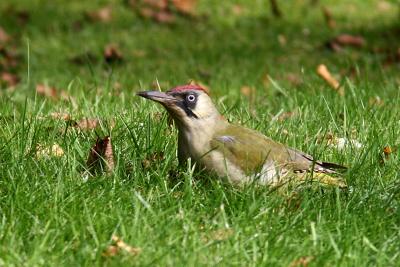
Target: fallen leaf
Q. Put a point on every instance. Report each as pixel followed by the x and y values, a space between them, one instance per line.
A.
pixel 47 91
pixel 60 116
pixel 185 6
pixel 4 37
pixel 349 40
pixel 49 151
pixel 237 9
pixel 101 156
pixel 54 94
pixel 387 150
pixel 330 21
pixel 111 251
pixel 286 115
pixel 302 261
pixel 118 246
pixel 154 158
pixel 158 4
pixel 103 14
pixel 112 53
pixel 9 79
pixel 164 17
pixel 248 91
pixel 324 73
pixel 87 124
pixel 147 12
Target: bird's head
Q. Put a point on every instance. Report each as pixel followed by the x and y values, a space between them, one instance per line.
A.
pixel 187 104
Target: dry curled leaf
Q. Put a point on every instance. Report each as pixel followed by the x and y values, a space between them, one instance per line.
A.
pixel 4 37
pixel 112 54
pixel 54 150
pixel 387 150
pixel 302 261
pixel 60 116
pixel 158 4
pixel 101 156
pixel 287 115
pixel 324 73
pixel 9 79
pixel 349 40
pixel 164 17
pixel 118 246
pixel 103 14
pixel 185 6
pixel 52 93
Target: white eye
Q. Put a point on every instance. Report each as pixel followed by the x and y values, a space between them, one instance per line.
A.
pixel 191 98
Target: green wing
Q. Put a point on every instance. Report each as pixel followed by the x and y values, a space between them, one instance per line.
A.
pixel 249 150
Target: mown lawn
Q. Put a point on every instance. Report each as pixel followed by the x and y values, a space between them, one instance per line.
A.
pixel 52 214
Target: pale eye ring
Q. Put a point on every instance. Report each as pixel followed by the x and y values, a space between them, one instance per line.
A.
pixel 191 98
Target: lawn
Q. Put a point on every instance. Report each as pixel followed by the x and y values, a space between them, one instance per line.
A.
pixel 261 71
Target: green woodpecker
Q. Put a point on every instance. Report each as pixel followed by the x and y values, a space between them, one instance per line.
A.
pixel 235 152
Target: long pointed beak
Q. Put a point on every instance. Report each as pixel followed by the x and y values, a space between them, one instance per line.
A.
pixel 157 96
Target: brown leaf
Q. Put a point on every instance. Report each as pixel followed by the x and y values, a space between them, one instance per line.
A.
pixel 118 246
pixel 47 91
pixel 9 79
pixel 164 17
pixel 147 12
pixel 112 54
pixel 330 21
pixel 387 150
pixel 324 73
pixel 237 9
pixel 158 4
pixel 349 40
pixel 287 115
pixel 101 156
pixel 302 261
pixel 60 116
pixel 4 37
pixel 87 124
pixel 52 93
pixel 103 14
pixel 249 92
pixel 185 6
pixel 111 251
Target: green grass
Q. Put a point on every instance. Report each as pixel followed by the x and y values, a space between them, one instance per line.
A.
pixel 49 215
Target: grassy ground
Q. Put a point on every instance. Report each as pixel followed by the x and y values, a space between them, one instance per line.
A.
pixel 50 215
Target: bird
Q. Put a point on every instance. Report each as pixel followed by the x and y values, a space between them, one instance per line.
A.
pixel 233 152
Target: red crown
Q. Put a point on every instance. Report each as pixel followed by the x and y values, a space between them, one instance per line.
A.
pixel 182 88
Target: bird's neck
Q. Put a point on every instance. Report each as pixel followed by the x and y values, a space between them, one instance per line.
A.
pixel 194 137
